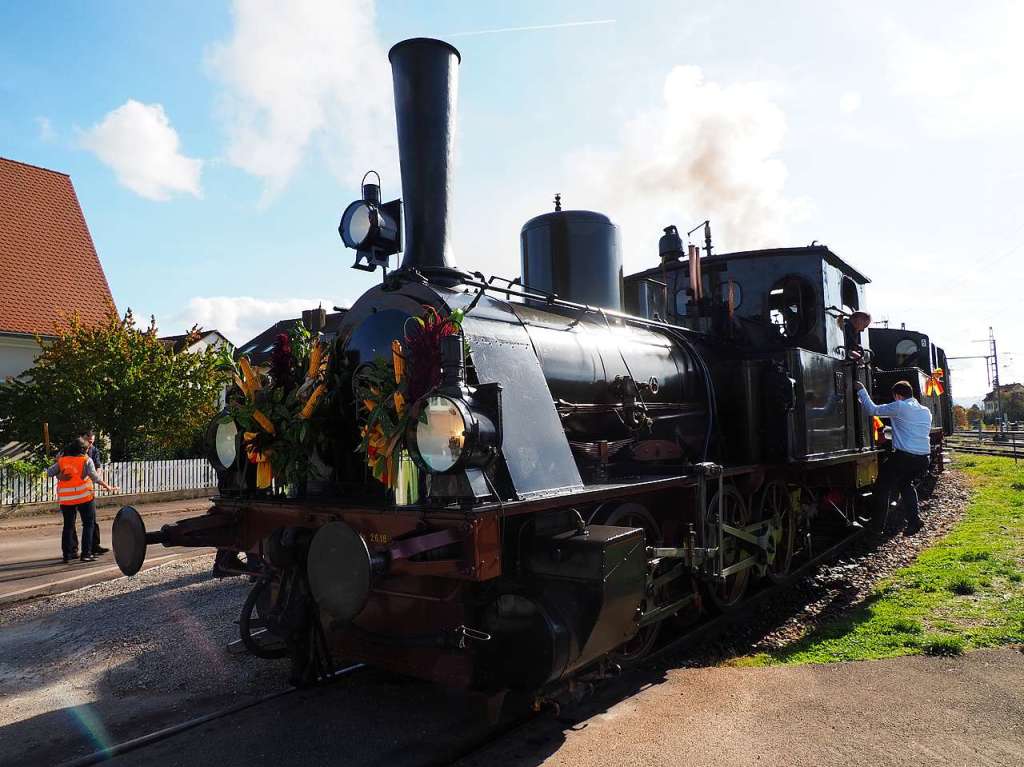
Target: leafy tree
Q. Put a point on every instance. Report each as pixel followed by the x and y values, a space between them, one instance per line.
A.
pixel 119 379
pixel 1013 404
pixel 974 415
pixel 960 417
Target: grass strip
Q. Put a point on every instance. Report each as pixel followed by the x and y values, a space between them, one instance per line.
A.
pixel 964 592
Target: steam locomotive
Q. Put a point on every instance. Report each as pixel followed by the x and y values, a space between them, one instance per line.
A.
pixel 597 456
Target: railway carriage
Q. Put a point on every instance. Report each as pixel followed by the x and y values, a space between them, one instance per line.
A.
pixel 510 482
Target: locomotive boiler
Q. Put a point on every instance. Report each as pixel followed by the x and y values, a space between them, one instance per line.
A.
pixel 508 482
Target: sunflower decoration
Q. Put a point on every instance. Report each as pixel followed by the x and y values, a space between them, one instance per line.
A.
pixel 276 408
pixel 385 389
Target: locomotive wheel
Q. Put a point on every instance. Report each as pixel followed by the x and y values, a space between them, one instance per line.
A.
pixel 632 652
pixel 254 611
pixel 775 503
pixel 728 594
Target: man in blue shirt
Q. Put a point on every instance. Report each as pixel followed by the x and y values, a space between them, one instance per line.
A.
pixel 911 440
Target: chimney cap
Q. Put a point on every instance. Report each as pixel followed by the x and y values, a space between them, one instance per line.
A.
pixel 424 41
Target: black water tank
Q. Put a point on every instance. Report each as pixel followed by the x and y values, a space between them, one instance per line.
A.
pixel 575 254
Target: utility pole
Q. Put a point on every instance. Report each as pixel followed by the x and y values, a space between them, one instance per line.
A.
pixel 991 371
pixel 995 378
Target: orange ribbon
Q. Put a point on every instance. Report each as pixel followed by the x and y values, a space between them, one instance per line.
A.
pixel 264 472
pixel 933 386
pixel 878 426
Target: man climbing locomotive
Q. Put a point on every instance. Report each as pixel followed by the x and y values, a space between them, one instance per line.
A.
pixel 911 438
pixel 499 484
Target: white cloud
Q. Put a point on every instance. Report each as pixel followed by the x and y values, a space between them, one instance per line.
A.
pixel 139 144
pixel 46 131
pixel 849 102
pixel 240 318
pixel 303 74
pixel 708 150
pixel 967 85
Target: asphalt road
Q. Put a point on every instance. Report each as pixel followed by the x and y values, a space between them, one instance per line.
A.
pixel 30 555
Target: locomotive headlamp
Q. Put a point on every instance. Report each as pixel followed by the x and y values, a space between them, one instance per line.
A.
pixel 225 444
pixel 449 435
pixel 357 223
pixel 372 229
pixel 223 448
pixel 441 433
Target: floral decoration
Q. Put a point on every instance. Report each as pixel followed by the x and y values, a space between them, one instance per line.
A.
pixel 385 388
pixel 277 408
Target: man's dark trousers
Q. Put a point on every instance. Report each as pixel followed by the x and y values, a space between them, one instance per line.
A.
pixel 93 453
pixel 897 475
pixel 95 537
pixel 69 538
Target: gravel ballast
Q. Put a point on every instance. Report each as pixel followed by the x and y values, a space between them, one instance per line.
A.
pixel 122 655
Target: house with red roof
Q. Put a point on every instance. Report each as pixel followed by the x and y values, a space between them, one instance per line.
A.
pixel 49 269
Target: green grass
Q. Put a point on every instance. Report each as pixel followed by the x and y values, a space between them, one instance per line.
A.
pixel 964 592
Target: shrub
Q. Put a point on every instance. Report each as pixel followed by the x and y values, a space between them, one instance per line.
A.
pixel 904 626
pixel 947 646
pixel 975 556
pixel 962 586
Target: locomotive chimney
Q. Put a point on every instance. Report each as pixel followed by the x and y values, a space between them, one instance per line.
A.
pixel 426 74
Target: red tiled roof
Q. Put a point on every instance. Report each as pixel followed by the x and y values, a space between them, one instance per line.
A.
pixel 48 264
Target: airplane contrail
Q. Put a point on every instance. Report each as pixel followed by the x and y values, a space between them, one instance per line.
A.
pixel 529 29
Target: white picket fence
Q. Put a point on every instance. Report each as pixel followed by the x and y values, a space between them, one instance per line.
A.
pixel 130 476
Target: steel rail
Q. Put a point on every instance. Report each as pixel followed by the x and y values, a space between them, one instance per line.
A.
pixel 167 732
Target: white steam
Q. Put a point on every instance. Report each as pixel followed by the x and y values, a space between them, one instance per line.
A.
pixel 709 151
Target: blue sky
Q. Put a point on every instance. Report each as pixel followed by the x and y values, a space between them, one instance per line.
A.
pixel 214 146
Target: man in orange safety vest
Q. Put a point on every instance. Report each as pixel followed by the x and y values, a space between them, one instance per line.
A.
pixel 75 494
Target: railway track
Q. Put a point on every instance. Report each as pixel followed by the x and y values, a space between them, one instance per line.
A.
pixel 698 635
pixel 1015 451
pixel 164 733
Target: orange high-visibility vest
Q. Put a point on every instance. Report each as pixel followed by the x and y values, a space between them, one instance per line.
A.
pixel 71 492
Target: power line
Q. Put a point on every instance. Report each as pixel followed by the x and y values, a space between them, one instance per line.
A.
pixel 990 262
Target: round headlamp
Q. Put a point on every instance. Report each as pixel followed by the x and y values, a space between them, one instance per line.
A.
pixel 448 434
pixel 223 440
pixel 440 433
pixel 359 223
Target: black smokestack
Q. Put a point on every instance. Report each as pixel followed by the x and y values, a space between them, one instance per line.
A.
pixel 426 76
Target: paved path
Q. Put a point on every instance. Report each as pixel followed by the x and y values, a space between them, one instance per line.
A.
pixel 30 563
pixel 900 712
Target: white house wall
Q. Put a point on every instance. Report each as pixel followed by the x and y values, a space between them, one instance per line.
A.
pixel 17 354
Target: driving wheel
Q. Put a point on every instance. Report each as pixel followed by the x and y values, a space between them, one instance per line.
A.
pixel 727 594
pixel 775 505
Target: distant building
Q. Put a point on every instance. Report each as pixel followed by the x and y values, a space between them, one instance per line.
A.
pixel 49 269
pixel 1005 390
pixel 199 342
pixel 258 349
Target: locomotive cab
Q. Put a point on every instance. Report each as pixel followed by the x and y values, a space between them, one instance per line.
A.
pixel 793 391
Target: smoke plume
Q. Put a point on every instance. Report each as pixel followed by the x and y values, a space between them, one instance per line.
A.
pixel 708 151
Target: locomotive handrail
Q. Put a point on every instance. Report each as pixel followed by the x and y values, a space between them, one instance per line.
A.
pixel 553 300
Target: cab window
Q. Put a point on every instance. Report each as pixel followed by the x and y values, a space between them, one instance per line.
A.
pixel 791 307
